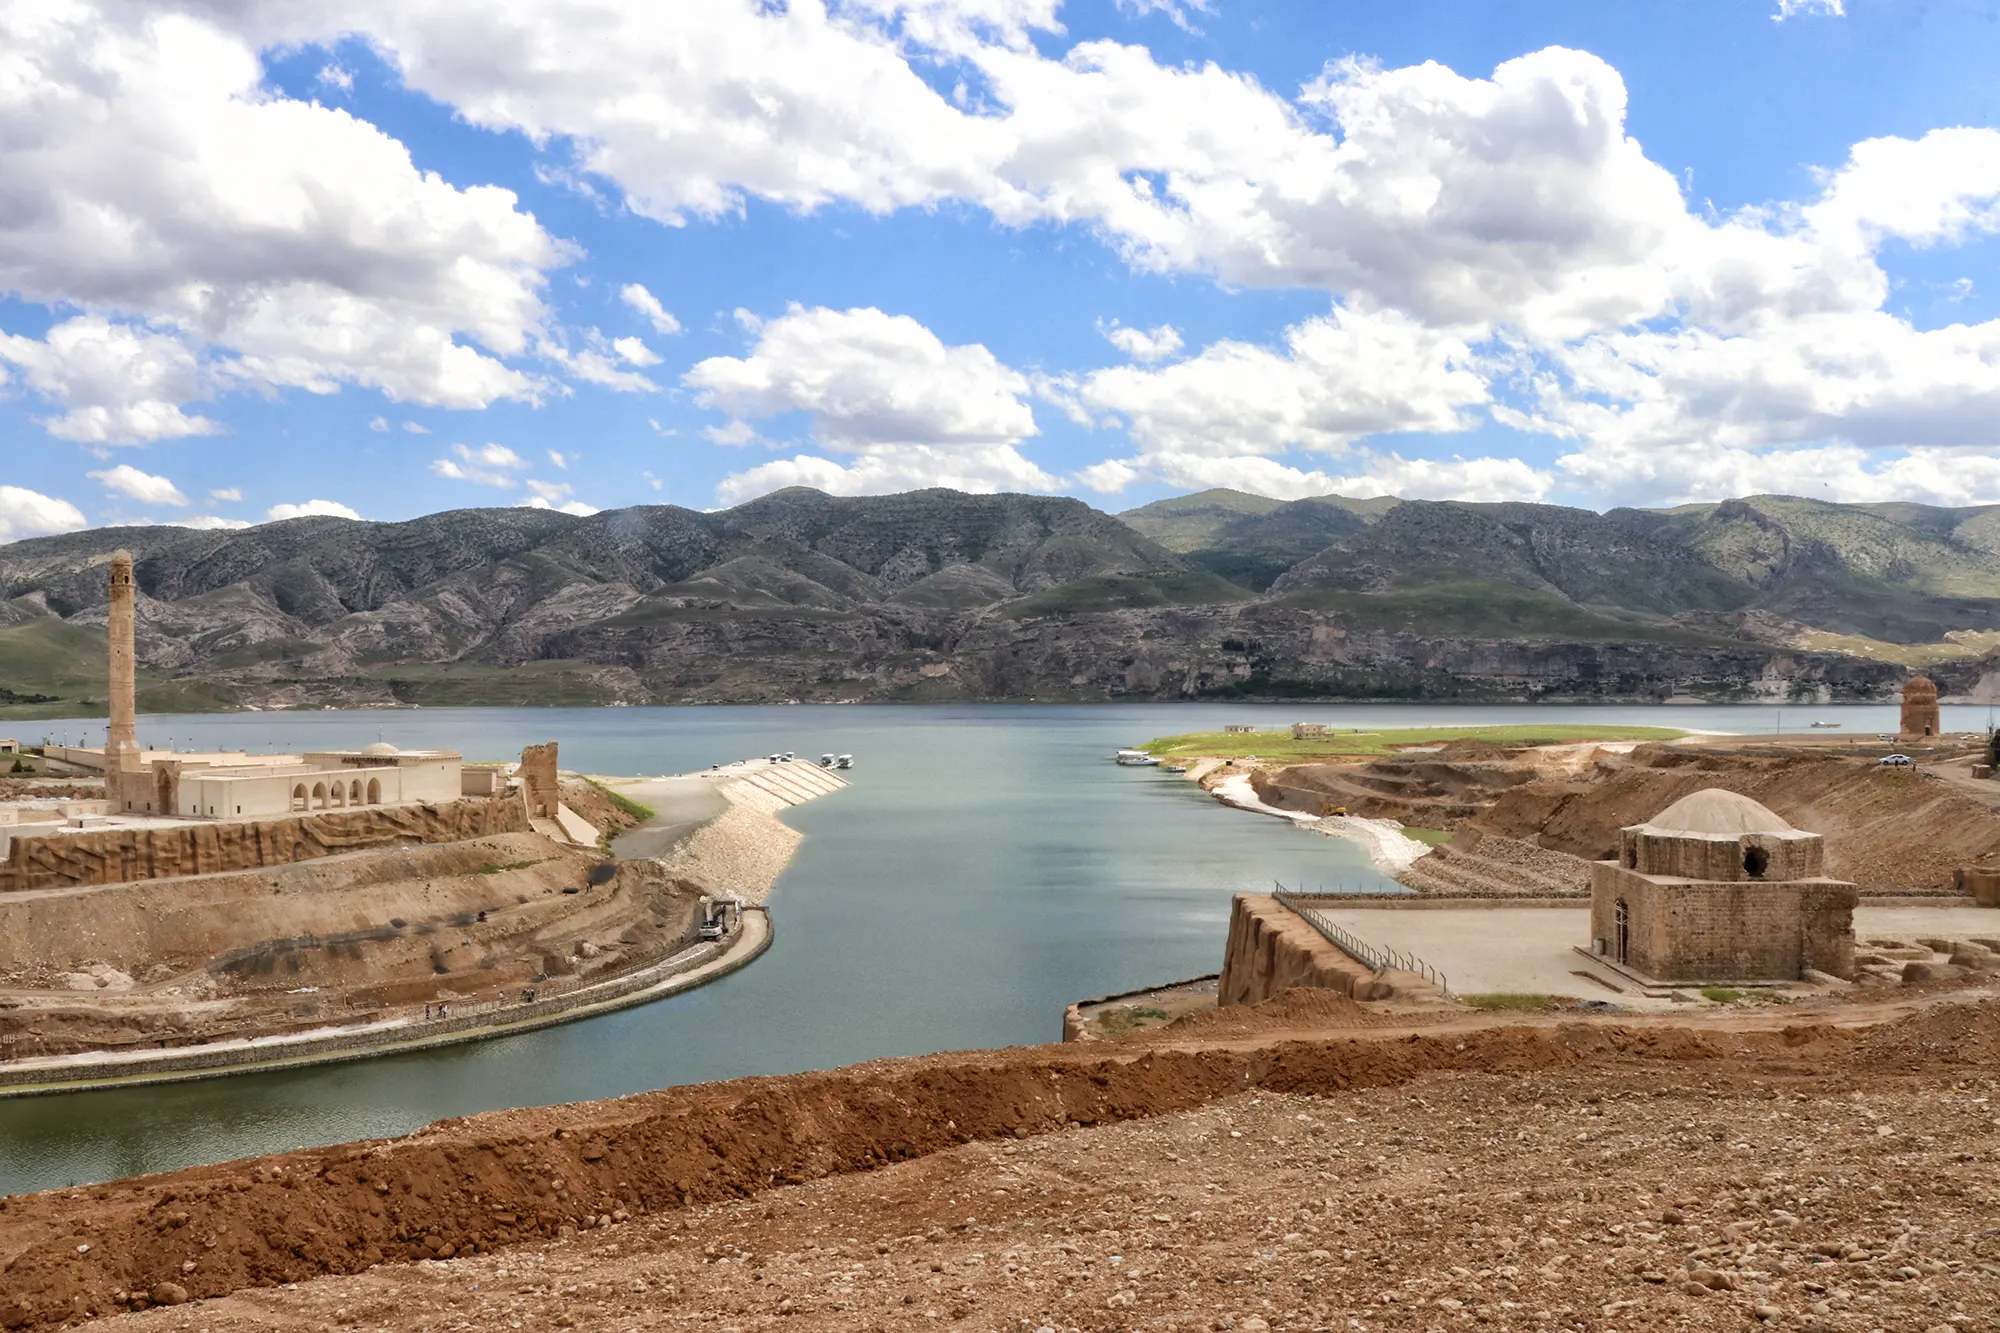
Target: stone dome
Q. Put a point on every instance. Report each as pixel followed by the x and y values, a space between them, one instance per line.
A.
pixel 1716 813
pixel 381 748
pixel 1920 688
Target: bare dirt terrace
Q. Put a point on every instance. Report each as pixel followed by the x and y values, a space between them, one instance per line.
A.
pixel 1259 1170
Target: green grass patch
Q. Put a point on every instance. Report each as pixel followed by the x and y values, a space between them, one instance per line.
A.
pixel 1721 994
pixel 642 813
pixel 1510 1002
pixel 1280 744
pixel 1441 602
pixel 1118 592
pixel 498 868
pixel 1430 836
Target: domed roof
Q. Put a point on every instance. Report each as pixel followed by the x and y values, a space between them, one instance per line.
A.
pixel 1920 687
pixel 1715 812
pixel 380 748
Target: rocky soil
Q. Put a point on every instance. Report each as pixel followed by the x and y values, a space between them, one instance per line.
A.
pixel 1788 1174
pixel 1887 830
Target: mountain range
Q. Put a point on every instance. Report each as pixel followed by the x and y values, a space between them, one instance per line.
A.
pixel 941 595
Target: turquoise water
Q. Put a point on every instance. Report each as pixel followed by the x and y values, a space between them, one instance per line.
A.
pixel 987 867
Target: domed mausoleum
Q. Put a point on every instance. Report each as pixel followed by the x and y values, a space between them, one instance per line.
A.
pixel 1920 707
pixel 1718 888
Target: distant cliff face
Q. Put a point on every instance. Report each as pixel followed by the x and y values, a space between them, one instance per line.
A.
pixel 936 594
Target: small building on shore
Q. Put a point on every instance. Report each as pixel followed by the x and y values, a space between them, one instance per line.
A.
pixel 1718 888
pixel 1308 730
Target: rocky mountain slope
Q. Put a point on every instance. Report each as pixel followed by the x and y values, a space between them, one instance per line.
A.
pixel 937 594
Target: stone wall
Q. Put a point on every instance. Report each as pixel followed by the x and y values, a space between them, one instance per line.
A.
pixel 1272 949
pixel 540 784
pixel 1685 857
pixel 1746 931
pixel 119 855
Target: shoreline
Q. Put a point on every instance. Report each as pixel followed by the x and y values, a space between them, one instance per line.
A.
pixel 671 976
pixel 735 846
pixel 1389 848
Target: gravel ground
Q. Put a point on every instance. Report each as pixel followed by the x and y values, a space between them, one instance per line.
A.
pixel 1826 1182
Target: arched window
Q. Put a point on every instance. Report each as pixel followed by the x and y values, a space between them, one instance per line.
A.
pixel 319 796
pixel 374 791
pixel 299 797
pixel 1621 930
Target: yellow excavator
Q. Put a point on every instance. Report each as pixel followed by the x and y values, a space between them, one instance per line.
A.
pixel 1327 808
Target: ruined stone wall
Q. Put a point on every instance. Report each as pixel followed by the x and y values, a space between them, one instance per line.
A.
pixel 115 856
pixel 540 785
pixel 1717 859
pixel 1745 931
pixel 1826 927
pixel 1272 949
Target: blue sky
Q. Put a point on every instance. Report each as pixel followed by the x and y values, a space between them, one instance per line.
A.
pixel 388 259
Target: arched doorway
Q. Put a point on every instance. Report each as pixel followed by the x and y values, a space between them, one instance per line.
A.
pixel 299 797
pixel 1621 930
pixel 319 796
pixel 374 791
pixel 354 793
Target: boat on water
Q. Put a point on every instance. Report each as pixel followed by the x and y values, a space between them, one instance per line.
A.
pixel 1173 768
pixel 1135 759
pixel 1831 726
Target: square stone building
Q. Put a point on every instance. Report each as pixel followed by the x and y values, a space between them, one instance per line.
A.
pixel 1717 888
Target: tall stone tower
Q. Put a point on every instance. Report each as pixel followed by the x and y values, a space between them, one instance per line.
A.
pixel 124 773
pixel 1920 708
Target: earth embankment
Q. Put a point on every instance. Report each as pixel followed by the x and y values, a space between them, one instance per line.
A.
pixel 513 1181
pixel 1886 829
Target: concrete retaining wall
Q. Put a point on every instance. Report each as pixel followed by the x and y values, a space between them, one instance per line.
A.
pixel 209 1062
pixel 1271 949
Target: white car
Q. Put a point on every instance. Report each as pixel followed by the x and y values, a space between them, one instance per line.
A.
pixel 1894 761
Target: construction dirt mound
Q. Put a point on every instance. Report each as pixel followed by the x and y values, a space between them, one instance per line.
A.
pixel 522 1178
pixel 1299 1006
pixel 1887 830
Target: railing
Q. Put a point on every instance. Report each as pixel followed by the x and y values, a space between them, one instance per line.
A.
pixel 1370 955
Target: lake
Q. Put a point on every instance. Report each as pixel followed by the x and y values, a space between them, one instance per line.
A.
pixel 988 866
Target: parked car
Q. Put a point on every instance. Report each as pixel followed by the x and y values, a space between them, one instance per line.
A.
pixel 1894 761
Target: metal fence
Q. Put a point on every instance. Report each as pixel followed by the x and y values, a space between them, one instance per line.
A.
pixel 1370 955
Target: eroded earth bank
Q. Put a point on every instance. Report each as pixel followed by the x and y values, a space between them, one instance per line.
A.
pixel 1294 1165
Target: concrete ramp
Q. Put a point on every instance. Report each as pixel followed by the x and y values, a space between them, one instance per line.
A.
pixel 777 787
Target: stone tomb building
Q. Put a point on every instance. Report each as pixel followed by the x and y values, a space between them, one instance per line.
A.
pixel 1920 709
pixel 1717 888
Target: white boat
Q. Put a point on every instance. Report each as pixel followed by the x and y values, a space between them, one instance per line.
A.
pixel 844 761
pixel 1135 759
pixel 1830 725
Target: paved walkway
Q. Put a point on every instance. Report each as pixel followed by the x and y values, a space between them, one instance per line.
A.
pixel 1531 950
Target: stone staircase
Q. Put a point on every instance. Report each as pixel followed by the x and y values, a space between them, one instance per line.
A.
pixel 1476 865
pixel 775 787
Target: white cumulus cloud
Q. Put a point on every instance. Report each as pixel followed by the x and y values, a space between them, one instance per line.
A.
pixel 635 295
pixel 310 509
pixel 26 513
pixel 148 175
pixel 488 465
pixel 915 411
pixel 1156 344
pixel 144 487
pixel 113 383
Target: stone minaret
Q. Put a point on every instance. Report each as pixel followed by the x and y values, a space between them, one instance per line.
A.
pixel 124 779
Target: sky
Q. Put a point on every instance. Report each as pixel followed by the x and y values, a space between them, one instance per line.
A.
pixel 380 259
